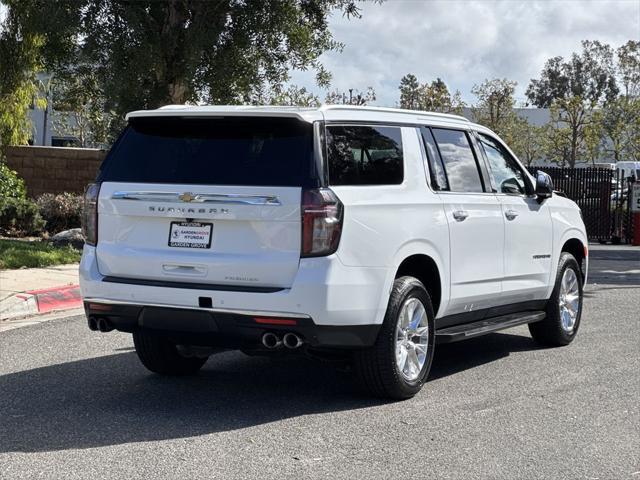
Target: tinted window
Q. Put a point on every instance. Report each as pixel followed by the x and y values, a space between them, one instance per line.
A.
pixel 459 161
pixel 506 175
pixel 364 155
pixel 222 151
pixel 438 176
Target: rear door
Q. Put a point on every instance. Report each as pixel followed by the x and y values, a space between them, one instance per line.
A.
pixel 474 215
pixel 205 200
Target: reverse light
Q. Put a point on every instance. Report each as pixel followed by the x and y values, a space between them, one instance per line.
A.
pixel 90 214
pixel 321 222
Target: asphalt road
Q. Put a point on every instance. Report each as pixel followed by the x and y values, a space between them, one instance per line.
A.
pixel 77 404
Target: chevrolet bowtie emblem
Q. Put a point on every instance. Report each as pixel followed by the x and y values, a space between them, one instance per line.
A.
pixel 187 197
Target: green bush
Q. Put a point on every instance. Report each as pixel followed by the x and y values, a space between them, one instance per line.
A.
pixel 61 212
pixel 11 185
pixel 20 216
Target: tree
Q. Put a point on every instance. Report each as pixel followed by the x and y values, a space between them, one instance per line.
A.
pixel 494 108
pixel 437 98
pixel 81 110
pixel 149 53
pixel 589 76
pixel 354 97
pixel 621 115
pixel 293 96
pixel 410 94
pixel 594 137
pixel 557 138
pixel 526 140
pixel 615 116
pixel 628 56
pixel 19 85
pixel 433 97
pixel 574 88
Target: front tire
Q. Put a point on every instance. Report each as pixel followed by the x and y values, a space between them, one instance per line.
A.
pixel 398 364
pixel 161 356
pixel 564 308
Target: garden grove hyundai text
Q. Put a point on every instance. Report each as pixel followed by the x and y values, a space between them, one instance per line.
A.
pixel 361 233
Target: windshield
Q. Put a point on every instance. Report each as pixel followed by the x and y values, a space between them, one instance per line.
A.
pixel 218 151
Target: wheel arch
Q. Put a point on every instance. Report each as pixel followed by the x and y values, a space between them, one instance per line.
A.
pixel 425 269
pixel 578 249
pixel 423 260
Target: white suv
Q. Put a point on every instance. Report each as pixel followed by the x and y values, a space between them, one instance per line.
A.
pixel 365 233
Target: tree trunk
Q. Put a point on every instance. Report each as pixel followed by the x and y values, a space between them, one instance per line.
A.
pixel 574 148
pixel 172 85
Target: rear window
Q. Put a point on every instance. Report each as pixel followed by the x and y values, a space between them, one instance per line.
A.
pixel 361 155
pixel 217 151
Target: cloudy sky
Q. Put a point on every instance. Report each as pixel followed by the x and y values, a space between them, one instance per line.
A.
pixel 464 42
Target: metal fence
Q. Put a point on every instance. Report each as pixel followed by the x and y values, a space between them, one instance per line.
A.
pixel 603 196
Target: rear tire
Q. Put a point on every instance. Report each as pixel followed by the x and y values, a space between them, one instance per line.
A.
pixel 161 356
pixel 408 332
pixel 564 308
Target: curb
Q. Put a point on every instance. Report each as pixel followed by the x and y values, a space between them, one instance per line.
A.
pixel 33 302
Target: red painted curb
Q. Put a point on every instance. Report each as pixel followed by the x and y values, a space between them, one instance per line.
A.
pixel 57 298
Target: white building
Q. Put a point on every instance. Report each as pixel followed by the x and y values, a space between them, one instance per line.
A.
pixel 46 122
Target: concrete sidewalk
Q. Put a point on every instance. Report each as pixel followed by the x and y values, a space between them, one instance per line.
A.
pixel 31 291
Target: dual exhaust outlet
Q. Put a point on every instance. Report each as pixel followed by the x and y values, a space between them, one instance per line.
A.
pixel 289 340
pixel 269 340
pixel 100 324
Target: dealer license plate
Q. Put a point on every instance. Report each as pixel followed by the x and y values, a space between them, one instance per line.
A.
pixel 190 234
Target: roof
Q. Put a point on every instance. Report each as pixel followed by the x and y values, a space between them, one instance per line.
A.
pixel 324 112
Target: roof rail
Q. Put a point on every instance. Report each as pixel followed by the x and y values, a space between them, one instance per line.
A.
pixel 325 107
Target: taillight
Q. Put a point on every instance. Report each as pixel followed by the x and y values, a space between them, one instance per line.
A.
pixel 90 214
pixel 321 222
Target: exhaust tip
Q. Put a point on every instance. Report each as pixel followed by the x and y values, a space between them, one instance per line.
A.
pixel 93 324
pixel 104 325
pixel 292 340
pixel 271 340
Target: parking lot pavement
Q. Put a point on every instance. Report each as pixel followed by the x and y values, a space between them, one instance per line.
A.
pixel 77 404
pixel 614 265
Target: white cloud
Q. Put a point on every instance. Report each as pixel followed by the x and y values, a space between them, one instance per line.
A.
pixel 464 42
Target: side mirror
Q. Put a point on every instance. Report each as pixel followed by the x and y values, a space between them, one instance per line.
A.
pixel 544 186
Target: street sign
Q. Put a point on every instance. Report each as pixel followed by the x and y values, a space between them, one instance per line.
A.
pixel 635 198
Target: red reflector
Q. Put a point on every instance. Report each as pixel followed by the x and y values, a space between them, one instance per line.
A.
pixel 99 306
pixel 275 321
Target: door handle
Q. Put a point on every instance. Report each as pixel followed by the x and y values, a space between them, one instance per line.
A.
pixel 460 215
pixel 511 214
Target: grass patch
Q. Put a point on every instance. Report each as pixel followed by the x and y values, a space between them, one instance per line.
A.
pixel 17 254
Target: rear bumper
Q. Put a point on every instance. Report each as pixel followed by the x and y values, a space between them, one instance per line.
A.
pixel 224 329
pixel 328 296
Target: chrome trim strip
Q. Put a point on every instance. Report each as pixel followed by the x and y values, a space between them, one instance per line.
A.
pixel 224 198
pixel 184 307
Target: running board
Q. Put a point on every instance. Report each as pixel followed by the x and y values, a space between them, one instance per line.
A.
pixel 488 325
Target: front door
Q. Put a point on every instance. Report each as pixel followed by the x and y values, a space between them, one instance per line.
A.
pixel 528 234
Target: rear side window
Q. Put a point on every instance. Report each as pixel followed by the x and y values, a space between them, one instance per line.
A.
pixel 459 161
pixel 436 168
pixel 359 155
pixel 216 151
